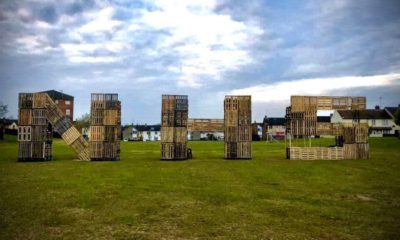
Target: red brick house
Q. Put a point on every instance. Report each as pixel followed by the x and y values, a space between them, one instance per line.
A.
pixel 64 101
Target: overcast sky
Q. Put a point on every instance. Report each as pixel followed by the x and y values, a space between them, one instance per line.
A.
pixel 203 48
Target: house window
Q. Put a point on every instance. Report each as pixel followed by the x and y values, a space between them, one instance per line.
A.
pixel 373 122
pixel 67 102
pixel 385 122
pixel 68 112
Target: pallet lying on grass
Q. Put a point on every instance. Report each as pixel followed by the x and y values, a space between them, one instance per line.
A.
pixel 348 151
pixel 316 153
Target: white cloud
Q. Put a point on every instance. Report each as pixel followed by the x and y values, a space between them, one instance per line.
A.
pixel 78 53
pixel 33 44
pixel 100 21
pixel 282 91
pixel 208 43
pixel 200 44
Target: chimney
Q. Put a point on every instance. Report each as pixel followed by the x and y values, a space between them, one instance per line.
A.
pixel 377 107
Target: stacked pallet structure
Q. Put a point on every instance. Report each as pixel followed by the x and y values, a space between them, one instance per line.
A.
pixel 301 115
pixel 174 121
pixel 355 141
pixel 34 131
pixel 105 127
pixel 237 123
pixel 39 115
pixel 301 121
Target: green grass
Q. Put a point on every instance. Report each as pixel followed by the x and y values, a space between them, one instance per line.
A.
pixel 207 197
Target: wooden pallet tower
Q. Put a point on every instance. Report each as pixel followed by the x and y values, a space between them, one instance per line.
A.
pixel 34 131
pixel 174 121
pixel 301 115
pixel 105 127
pixel 237 124
pixel 301 122
pixel 39 115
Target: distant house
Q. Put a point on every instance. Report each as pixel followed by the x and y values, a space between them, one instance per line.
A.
pixel 8 126
pixel 394 112
pixel 379 121
pixel 275 128
pixel 127 133
pixel 64 101
pixel 142 133
pixel 11 124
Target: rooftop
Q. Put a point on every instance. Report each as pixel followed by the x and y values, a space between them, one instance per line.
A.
pixel 277 121
pixel 364 114
pixel 56 95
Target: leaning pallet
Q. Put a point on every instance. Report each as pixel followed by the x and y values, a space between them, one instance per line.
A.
pixel 237 124
pixel 174 121
pixel 65 128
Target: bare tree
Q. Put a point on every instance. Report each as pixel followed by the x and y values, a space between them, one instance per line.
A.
pixel 3 110
pixel 83 121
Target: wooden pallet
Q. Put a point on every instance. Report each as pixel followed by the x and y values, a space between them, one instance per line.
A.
pixel 39 116
pixel 238 150
pixel 25 100
pixel 356 151
pixel 173 151
pixel 314 103
pixel 25 116
pixel 71 135
pixel 39 100
pixel 34 151
pixel 316 153
pixel 62 125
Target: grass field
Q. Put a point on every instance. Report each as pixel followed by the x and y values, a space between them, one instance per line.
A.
pixel 207 197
